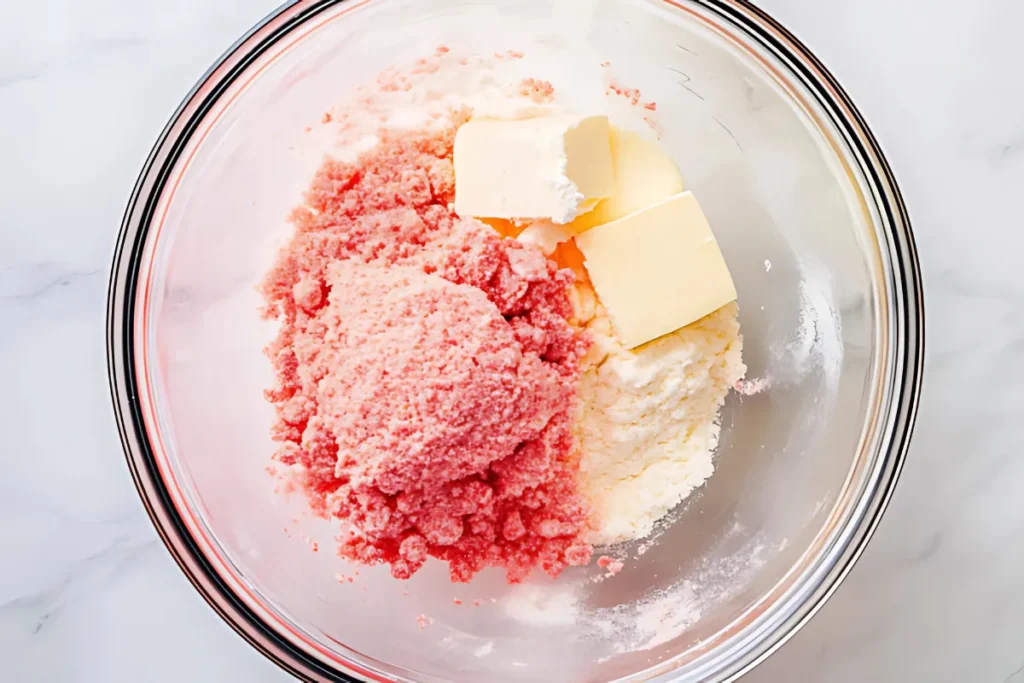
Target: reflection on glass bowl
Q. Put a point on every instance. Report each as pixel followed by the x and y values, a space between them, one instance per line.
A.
pixel 807 214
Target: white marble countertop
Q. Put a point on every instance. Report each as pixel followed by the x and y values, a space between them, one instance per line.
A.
pixel 88 593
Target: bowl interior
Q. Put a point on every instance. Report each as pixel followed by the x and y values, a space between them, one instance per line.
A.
pixel 787 205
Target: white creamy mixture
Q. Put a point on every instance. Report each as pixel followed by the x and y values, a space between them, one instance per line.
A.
pixel 649 422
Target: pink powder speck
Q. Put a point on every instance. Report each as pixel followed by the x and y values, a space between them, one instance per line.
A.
pixel 426 66
pixel 631 94
pixel 426 371
pixel 423 620
pixel 634 96
pixel 613 565
pixel 541 92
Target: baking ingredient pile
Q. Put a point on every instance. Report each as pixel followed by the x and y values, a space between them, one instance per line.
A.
pixel 436 379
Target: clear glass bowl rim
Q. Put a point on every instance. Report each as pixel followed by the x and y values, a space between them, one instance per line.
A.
pixel 836 560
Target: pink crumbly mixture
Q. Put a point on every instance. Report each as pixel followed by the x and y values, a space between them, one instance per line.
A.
pixel 426 372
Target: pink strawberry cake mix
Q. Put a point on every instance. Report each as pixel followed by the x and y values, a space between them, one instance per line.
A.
pixel 426 371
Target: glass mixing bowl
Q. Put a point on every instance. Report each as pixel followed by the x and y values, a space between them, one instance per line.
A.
pixel 809 218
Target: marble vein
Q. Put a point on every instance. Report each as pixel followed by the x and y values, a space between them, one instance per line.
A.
pixel 29 281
